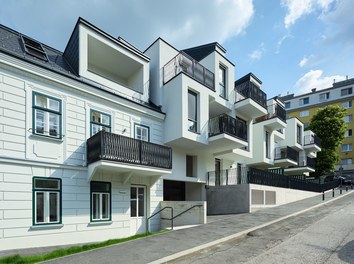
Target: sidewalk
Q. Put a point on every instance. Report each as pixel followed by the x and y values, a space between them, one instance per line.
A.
pixel 168 246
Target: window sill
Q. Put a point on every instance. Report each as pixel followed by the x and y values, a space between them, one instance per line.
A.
pixel 98 223
pixel 48 226
pixel 46 138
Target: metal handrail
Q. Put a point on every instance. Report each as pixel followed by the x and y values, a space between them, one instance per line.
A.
pixel 172 217
pixel 197 205
pixel 167 207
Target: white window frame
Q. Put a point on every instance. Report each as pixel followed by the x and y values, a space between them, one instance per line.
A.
pixel 345 161
pixel 51 123
pixel 100 125
pixel 302 101
pixel 346 91
pixel 347 133
pixel 348 118
pixel 46 191
pixel 304 113
pixel 347 147
pixel 144 133
pixel 324 96
pixel 101 195
pixel 347 104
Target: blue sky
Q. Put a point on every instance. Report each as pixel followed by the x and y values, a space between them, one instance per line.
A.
pixel 291 45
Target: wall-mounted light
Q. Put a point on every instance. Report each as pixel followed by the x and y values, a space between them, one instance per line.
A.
pixel 124 130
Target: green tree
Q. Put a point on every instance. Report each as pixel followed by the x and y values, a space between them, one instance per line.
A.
pixel 329 125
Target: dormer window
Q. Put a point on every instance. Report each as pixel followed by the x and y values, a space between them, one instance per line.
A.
pixel 34 48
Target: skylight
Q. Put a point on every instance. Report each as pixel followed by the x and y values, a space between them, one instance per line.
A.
pixel 34 48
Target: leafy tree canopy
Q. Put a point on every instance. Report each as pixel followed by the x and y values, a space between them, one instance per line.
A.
pixel 329 125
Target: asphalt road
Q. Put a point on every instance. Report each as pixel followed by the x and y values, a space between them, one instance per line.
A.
pixel 322 235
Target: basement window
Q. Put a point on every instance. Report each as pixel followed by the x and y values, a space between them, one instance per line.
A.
pixel 34 48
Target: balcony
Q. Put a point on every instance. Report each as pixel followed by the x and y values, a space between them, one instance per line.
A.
pixel 250 100
pixel 306 165
pixel 226 133
pixel 312 143
pixel 275 118
pixel 127 155
pixel 184 63
pixel 285 157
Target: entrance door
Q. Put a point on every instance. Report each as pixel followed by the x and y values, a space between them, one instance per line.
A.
pixel 137 209
pixel 217 171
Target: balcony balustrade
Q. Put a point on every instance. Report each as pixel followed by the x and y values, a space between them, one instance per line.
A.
pixel 286 153
pixel 112 147
pixel 228 125
pixel 312 140
pixel 250 90
pixel 184 63
pixel 274 110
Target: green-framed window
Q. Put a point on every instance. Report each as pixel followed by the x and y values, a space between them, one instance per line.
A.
pixel 46 197
pixel 141 132
pixel 47 115
pixel 99 121
pixel 100 196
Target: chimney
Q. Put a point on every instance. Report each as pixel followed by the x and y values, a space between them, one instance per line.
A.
pixel 313 90
pixel 346 77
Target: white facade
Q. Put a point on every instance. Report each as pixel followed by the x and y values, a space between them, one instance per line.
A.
pixel 28 153
pixel 168 124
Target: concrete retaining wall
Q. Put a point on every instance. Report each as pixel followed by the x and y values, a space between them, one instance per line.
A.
pixel 195 216
pixel 280 195
pixel 232 199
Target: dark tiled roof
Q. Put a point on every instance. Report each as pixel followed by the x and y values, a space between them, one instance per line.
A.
pixel 200 52
pixel 11 44
pixel 246 78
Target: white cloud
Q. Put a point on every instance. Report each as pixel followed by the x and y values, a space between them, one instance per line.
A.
pixel 303 62
pixel 314 79
pixel 257 53
pixel 340 23
pixel 307 60
pixel 298 8
pixel 280 42
pixel 182 23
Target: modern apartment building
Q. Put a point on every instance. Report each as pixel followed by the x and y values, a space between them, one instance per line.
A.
pixel 94 138
pixel 304 106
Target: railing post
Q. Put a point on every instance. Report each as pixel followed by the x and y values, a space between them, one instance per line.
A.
pixel 140 151
pixel 171 218
pixel 101 144
pixel 333 192
pixel 323 196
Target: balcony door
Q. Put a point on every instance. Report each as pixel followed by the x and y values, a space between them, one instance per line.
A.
pixel 137 210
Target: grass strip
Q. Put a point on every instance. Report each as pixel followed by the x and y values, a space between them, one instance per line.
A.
pixel 18 259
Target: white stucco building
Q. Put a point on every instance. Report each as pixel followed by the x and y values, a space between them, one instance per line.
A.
pixel 94 138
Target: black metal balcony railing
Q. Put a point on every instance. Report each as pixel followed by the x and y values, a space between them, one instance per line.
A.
pixel 309 162
pixel 312 139
pixel 250 90
pixel 286 153
pixel 274 110
pixel 113 147
pixel 184 63
pixel 228 125
pixel 227 177
pixel 257 176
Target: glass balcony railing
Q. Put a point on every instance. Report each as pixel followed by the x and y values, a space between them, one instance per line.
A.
pixel 184 63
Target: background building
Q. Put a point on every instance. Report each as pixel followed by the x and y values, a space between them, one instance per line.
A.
pixel 304 106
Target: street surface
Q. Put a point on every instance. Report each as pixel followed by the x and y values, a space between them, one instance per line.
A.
pixel 322 235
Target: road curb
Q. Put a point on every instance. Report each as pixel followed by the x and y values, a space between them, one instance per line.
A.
pixel 239 234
